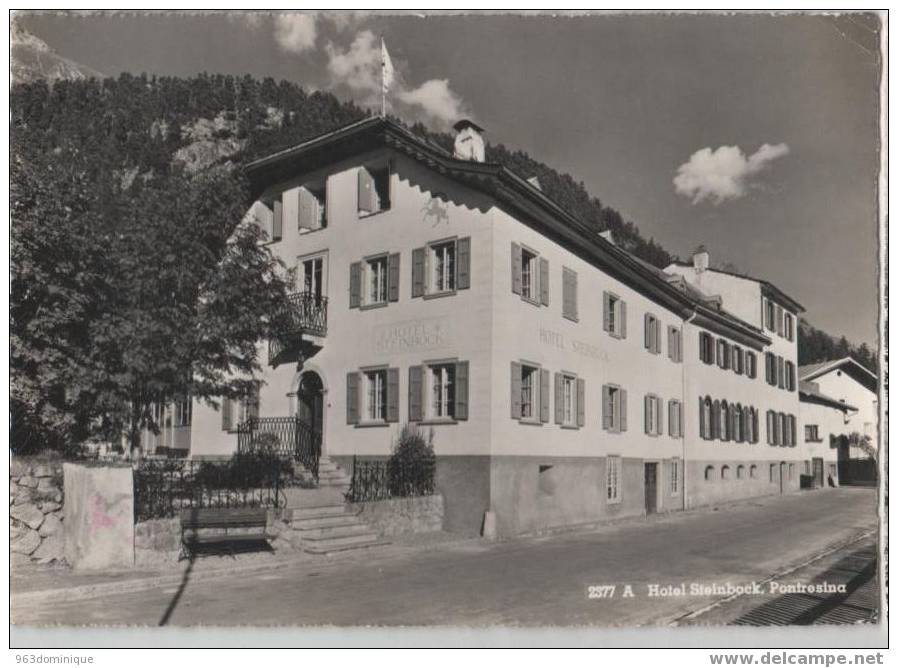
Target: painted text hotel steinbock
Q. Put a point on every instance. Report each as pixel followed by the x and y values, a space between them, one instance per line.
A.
pixel 565 380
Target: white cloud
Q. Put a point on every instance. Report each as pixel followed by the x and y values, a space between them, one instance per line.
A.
pixel 295 32
pixel 723 174
pixel 358 67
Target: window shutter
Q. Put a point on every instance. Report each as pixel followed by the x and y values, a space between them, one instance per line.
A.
pixel 670 343
pixel 606 311
pixel 780 373
pixel 393 395
pixel 755 427
pixel 715 420
pixel 623 409
pixel 308 210
pixel 543 281
pixel 463 263
pixel 352 397
pixel 581 402
pixel 418 272
pixel 671 408
pixel 648 336
pixel 574 310
pixel 680 430
pixel 515 391
pixel 277 221
pixel 779 319
pixel 732 420
pixel 515 268
pixel 367 193
pixel 569 293
pixel 393 272
pixel 769 428
pixel 659 411
pixel 702 427
pixel 607 408
pixel 415 393
pixel 355 284
pixel 461 390
pixel 647 408
pixel 226 414
pixel 544 395
pixel 559 398
pixel 623 319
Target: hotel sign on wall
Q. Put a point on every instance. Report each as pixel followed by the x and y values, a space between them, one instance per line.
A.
pixel 549 337
pixel 412 336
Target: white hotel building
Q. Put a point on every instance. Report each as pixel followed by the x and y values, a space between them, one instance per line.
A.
pixel 565 380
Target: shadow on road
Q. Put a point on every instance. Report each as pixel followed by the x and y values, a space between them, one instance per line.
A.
pixel 177 597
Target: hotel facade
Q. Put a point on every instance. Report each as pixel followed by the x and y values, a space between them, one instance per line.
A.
pixel 565 381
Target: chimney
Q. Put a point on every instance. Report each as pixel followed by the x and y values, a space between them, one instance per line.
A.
pixel 469 141
pixel 701 260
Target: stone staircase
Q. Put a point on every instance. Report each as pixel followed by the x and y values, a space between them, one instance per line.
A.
pixel 321 520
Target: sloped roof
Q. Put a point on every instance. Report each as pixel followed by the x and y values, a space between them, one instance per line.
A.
pixel 808 391
pixel 849 365
pixel 770 287
pixel 521 198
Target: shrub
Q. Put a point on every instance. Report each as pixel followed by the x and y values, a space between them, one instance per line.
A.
pixel 412 464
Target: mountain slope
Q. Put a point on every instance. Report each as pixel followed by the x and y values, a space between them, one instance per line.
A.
pixel 31 58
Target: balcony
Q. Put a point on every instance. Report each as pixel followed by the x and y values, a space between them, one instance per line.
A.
pixel 308 315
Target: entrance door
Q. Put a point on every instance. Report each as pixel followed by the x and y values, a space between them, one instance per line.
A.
pixel 818 471
pixel 311 400
pixel 651 488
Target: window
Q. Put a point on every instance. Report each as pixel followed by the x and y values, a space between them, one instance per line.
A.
pixel 674 476
pixel 709 473
pixel 569 293
pixel 442 391
pixel 674 343
pixel 442 262
pixel 313 277
pixel 737 423
pixel 376 281
pixel 725 472
pixel 612 478
pixel 723 421
pixel 773 473
pixel 614 315
pixel 614 408
pixel 751 365
pixel 569 388
pixel 740 472
pixel 529 275
pixel 653 413
pixel 529 392
pixel 706 417
pixel 790 376
pixel 373 190
pixel 753 471
pixel 375 395
pixel 183 413
pixel 770 367
pixel 706 348
pixel 235 412
pixel 812 433
pixel 652 334
pixel 769 314
pixel 723 354
pixel 778 420
pixel 675 418
pixel 771 430
pixel 529 376
pixel 789 326
pixel 738 360
pixel 312 208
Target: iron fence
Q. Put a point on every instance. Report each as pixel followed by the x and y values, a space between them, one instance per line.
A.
pixel 283 436
pixel 378 480
pixel 163 487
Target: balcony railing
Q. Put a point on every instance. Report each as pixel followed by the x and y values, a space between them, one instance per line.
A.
pixel 308 315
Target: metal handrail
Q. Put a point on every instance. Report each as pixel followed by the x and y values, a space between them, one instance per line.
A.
pixel 289 437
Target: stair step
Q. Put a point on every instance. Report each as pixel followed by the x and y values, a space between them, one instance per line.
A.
pixel 328 550
pixel 331 533
pixel 325 522
pixel 315 512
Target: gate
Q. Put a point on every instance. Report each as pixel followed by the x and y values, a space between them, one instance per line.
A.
pixel 286 436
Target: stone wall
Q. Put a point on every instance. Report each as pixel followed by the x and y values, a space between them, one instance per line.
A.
pixel 157 542
pixel 35 511
pixel 416 514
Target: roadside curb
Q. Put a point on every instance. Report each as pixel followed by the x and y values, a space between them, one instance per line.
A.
pixel 832 549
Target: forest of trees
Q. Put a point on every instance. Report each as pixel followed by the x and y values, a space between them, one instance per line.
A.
pixel 129 133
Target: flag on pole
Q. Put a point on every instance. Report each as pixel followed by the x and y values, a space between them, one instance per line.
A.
pixel 386 75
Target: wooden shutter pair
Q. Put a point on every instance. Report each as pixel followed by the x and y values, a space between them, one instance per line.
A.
pixel 608 409
pixel 462 267
pixel 309 215
pixel 353 396
pixel 355 280
pixel 416 392
pixel 652 405
pixel 579 400
pixel 568 293
pixel 540 281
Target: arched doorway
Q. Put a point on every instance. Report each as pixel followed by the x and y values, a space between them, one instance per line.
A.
pixel 310 400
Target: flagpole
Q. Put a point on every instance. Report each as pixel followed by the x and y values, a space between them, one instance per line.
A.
pixel 383 86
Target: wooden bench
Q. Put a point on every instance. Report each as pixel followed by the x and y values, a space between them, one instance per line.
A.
pixel 252 523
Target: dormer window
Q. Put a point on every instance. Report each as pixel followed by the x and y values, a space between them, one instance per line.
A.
pixel 312 207
pixel 373 190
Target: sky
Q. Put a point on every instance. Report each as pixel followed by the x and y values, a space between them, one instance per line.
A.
pixel 754 135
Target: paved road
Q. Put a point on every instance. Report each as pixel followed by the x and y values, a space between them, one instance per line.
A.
pixel 536 581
